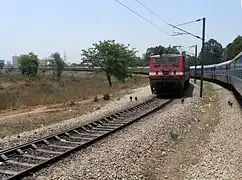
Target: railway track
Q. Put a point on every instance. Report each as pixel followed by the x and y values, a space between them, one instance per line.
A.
pixel 20 161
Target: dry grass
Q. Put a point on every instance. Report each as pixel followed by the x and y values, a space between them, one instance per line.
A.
pixel 42 101
pixel 17 91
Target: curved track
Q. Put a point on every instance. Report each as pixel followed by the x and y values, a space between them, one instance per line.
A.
pixel 19 161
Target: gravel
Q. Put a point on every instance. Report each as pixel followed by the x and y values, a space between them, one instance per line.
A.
pixel 126 154
pixel 221 158
pixel 142 94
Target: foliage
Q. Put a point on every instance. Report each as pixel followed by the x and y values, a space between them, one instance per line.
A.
pixel 29 64
pixel 106 97
pixel 213 52
pixel 159 50
pixel 57 65
pixel 190 60
pixel 1 64
pixel 233 48
pixel 113 58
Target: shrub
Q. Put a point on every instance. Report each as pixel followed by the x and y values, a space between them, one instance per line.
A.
pixel 96 99
pixel 106 97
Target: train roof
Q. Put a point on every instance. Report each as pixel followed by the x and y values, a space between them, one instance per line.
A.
pixel 193 67
pixel 171 55
pixel 236 57
pixel 209 66
pixel 224 63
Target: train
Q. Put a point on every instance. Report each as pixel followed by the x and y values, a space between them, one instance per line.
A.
pixel 168 74
pixel 228 73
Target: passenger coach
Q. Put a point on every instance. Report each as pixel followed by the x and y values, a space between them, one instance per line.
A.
pixel 229 72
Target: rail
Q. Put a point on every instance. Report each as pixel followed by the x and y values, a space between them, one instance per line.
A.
pixel 19 161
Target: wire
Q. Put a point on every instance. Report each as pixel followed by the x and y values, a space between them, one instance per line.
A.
pixel 189 22
pixel 143 17
pixel 151 11
pixel 171 25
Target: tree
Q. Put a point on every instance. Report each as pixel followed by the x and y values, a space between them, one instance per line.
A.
pixel 113 58
pixel 29 64
pixel 213 52
pixel 171 50
pixel 160 50
pixel 234 48
pixel 1 64
pixel 57 65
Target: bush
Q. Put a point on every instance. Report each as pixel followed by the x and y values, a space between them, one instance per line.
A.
pixel 96 99
pixel 106 97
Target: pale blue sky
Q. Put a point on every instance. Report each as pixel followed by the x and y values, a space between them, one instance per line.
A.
pixel 46 26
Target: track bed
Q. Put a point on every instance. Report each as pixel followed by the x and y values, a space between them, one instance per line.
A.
pixel 19 161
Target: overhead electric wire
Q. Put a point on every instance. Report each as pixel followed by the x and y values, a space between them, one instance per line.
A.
pixel 189 22
pixel 143 17
pixel 171 25
pixel 151 11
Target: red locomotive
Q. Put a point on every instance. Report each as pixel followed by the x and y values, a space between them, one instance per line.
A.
pixel 168 74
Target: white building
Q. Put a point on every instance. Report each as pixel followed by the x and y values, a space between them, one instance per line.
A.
pixel 15 61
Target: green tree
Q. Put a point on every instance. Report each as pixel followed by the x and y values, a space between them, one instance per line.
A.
pixel 213 52
pixel 233 48
pixel 1 64
pixel 171 50
pixel 113 58
pixel 29 64
pixel 57 65
pixel 159 50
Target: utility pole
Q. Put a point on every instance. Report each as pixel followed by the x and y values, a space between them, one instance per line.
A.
pixel 195 73
pixel 198 37
pixel 65 55
pixel 202 57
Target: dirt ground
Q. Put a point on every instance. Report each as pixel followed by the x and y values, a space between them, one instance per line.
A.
pixel 184 151
pixel 26 105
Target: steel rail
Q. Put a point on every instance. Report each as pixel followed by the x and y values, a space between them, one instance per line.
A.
pixel 44 151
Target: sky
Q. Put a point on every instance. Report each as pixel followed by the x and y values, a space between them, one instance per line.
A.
pixel 47 26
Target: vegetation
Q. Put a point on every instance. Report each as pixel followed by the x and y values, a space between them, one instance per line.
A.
pixel 214 52
pixel 158 50
pixel 233 48
pixel 16 92
pixel 57 65
pixel 113 58
pixel 29 64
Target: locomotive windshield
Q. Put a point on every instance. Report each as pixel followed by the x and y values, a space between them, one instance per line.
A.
pixel 166 60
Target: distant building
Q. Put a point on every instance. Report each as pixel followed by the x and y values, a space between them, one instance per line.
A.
pixel 15 61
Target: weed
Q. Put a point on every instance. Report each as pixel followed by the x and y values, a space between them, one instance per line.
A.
pixel 96 99
pixel 174 136
pixel 72 103
pixel 106 97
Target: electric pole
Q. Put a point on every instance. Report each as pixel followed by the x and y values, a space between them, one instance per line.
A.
pixel 65 55
pixel 202 57
pixel 195 73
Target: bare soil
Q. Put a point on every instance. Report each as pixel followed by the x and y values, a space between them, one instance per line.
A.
pixel 184 151
pixel 29 104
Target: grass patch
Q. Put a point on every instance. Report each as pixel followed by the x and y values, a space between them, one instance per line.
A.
pixel 210 94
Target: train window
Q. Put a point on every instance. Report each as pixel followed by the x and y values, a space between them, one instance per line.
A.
pixel 166 60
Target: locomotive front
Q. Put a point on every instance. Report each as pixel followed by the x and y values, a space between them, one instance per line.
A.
pixel 167 74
